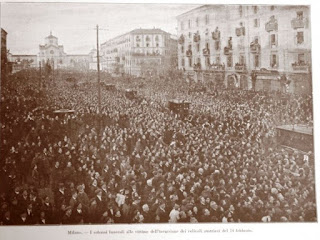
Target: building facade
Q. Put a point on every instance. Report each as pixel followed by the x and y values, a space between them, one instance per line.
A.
pixel 247 46
pixel 20 62
pixel 54 54
pixel 139 52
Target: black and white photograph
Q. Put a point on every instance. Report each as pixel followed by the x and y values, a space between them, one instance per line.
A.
pixel 156 113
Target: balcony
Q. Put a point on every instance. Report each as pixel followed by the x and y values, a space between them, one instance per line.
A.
pixel 216 67
pixel 255 48
pixel 240 67
pixel 298 23
pixel 272 25
pixel 196 37
pixel 240 31
pixel 206 52
pixel 134 54
pixel 181 39
pixel 189 53
pixel 227 50
pixel 301 67
pixel 216 35
pixel 197 67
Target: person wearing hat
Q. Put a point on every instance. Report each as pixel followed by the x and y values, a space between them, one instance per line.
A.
pixel 148 216
pixel 22 219
pixel 67 219
pixel 82 196
pixel 100 201
pixel 79 215
pixel 60 195
pixel 161 214
pixel 47 208
pixel 6 219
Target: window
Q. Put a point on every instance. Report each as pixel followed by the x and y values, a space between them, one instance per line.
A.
pixel 51 52
pixel 147 44
pixel 273 40
pixel 242 60
pixel 190 62
pixel 207 19
pixel 157 44
pixel 197 22
pixel 240 11
pixel 181 26
pixel 256 61
pixel 272 8
pixel 207 61
pixel 182 49
pixel 255 9
pixel 138 45
pixel 198 47
pixel 300 15
pixel 301 58
pixel 256 22
pixel 217 59
pixel 229 60
pixel 300 37
pixel 190 34
pixel 273 62
pixel 207 45
pixel 189 23
pixel 182 62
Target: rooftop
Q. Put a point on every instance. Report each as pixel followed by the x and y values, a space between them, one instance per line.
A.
pixel 297 128
pixel 51 36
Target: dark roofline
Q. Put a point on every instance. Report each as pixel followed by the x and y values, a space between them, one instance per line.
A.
pixel 4 31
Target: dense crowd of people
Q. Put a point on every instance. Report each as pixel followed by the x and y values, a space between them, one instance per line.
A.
pixel 137 162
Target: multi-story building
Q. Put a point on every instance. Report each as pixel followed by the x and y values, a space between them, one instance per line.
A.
pixel 139 52
pixel 247 46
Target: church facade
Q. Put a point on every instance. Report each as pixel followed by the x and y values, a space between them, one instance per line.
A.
pixel 53 53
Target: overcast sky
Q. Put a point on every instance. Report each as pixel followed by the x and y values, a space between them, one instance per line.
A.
pixel 28 24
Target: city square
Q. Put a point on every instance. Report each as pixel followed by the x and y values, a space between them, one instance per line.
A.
pixel 206 118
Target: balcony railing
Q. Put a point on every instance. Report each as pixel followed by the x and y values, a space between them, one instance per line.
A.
pixel 216 67
pixel 189 53
pixel 134 54
pixel 298 23
pixel 181 39
pixel 240 31
pixel 300 67
pixel 196 38
pixel 227 50
pixel 255 48
pixel 216 35
pixel 197 67
pixel 240 67
pixel 206 52
pixel 272 26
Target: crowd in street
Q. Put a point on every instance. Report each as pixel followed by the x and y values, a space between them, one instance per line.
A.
pixel 137 162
